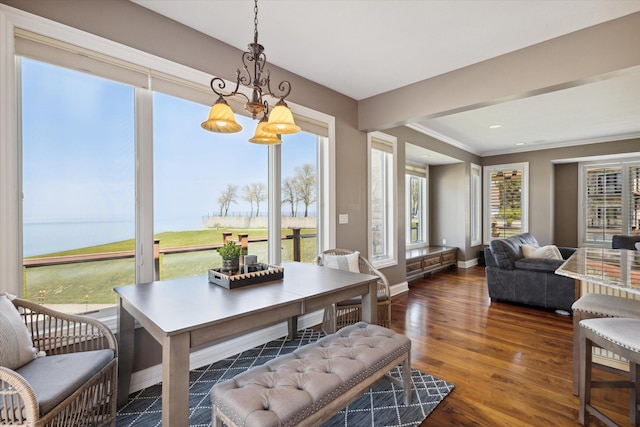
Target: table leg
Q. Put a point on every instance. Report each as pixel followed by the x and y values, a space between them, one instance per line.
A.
pixel 125 352
pixel 370 304
pixel 175 380
pixel 292 324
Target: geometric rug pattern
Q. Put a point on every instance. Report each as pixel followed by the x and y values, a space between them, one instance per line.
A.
pixel 381 406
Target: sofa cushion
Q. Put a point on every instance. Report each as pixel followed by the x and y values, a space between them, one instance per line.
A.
pixel 54 378
pixel 16 345
pixel 507 251
pixel 545 265
pixel 549 251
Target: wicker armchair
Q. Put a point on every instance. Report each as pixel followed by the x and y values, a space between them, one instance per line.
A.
pixel 78 349
pixel 349 312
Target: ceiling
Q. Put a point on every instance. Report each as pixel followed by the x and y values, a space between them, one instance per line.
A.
pixel 356 48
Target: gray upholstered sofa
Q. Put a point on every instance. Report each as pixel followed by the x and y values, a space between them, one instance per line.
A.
pixel 620 241
pixel 512 277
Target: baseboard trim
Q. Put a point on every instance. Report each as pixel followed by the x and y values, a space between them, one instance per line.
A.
pixel 399 288
pixel 153 375
pixel 468 263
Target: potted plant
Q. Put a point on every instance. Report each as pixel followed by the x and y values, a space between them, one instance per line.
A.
pixel 230 253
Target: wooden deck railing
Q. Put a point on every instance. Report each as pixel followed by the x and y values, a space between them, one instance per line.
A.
pixel 243 239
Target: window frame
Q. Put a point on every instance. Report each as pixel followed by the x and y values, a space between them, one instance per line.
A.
pixel 475 204
pixel 390 257
pixel 524 195
pixel 625 164
pixel 13 20
pixel 421 172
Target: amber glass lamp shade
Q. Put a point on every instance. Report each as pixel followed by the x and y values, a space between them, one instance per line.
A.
pixel 262 137
pixel 221 118
pixel 281 120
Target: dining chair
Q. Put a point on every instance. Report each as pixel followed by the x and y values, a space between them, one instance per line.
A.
pixel 349 312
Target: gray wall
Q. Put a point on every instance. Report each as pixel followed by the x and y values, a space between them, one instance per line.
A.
pixel 565 199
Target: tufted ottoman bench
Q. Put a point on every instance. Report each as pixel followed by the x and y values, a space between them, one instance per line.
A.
pixel 314 382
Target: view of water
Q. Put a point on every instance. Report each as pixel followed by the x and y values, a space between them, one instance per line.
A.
pixel 46 237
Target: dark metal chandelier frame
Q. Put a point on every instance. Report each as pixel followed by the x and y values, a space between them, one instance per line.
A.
pixel 258 81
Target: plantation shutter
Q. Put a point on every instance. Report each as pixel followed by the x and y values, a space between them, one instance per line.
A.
pixel 603 210
pixel 506 203
pixel 633 211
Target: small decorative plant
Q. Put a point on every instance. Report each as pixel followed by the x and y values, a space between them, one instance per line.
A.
pixel 230 250
pixel 230 253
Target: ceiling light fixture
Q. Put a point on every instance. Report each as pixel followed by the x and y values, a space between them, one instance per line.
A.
pixel 495 126
pixel 271 125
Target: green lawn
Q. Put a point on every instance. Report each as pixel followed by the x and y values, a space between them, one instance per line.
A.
pixel 93 282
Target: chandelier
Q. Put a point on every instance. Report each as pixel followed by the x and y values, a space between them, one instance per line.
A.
pixel 272 124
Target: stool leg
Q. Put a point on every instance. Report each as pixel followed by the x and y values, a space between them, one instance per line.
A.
pixel 577 316
pixel 634 394
pixel 585 377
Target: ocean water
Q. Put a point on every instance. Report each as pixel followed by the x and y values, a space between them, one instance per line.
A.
pixel 41 238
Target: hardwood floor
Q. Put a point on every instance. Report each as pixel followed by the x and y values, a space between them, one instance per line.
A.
pixel 511 365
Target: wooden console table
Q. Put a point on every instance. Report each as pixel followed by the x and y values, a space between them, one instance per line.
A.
pixel 429 260
pixel 187 312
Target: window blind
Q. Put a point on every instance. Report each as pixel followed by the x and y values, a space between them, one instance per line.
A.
pixel 633 210
pixel 603 210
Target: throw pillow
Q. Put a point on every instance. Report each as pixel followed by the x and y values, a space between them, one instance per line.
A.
pixel 16 345
pixel 342 262
pixel 638 246
pixel 549 251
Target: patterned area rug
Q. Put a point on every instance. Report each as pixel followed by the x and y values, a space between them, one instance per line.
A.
pixel 380 406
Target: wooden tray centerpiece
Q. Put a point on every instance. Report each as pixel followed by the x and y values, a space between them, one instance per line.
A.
pixel 259 273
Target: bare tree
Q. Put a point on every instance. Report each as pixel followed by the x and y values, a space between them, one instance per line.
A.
pixel 248 196
pixel 305 185
pixel 227 196
pixel 259 195
pixel 289 194
pixel 255 193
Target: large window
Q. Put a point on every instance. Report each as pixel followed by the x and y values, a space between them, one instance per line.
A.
pixel 382 199
pixel 78 185
pixel 113 160
pixel 416 206
pixel 299 195
pixel 610 196
pixel 506 200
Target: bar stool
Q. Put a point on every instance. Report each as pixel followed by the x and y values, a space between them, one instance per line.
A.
pixel 622 337
pixel 591 306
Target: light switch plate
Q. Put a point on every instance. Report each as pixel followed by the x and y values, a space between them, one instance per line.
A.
pixel 343 219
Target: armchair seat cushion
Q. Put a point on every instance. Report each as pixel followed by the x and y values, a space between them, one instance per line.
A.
pixel 56 377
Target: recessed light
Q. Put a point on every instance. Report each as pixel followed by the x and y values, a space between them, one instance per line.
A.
pixel 520 143
pixel 495 126
pixel 424 156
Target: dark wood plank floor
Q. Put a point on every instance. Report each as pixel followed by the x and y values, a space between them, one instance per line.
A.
pixel 511 364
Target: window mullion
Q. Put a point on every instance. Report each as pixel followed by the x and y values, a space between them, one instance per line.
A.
pixel 144 185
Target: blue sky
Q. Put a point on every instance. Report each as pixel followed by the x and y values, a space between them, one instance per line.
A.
pixel 78 153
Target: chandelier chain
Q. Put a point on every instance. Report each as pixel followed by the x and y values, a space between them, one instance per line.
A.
pixel 255 22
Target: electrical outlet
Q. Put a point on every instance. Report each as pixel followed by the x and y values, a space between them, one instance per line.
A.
pixel 343 219
pixel 444 242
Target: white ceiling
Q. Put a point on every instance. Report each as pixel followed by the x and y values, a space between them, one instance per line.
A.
pixel 357 47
